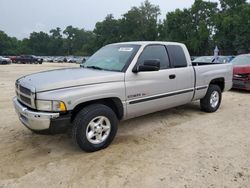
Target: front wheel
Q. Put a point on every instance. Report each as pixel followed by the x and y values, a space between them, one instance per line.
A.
pixel 212 100
pixel 94 127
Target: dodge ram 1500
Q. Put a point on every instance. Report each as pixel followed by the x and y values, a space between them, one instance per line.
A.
pixel 120 81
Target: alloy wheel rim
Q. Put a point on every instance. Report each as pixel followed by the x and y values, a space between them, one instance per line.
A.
pixel 98 130
pixel 214 99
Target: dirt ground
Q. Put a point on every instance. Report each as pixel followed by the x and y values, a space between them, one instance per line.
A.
pixel 180 147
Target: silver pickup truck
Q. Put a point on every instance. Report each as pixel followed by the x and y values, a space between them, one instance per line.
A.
pixel 119 82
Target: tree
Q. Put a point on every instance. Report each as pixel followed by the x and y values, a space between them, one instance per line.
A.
pixel 231 4
pixel 232 25
pixel 242 29
pixel 193 26
pixel 76 39
pixel 180 32
pixel 8 45
pixel 106 32
pixel 39 43
pixel 201 27
pixel 56 42
pixel 140 23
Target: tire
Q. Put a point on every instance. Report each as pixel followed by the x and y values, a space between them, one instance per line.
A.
pixel 86 121
pixel 208 104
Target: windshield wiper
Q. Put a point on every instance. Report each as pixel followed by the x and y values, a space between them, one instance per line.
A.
pixel 94 67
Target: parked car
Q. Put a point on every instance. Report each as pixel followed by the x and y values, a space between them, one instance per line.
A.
pixel 212 59
pixel 71 59
pixel 193 58
pixel 50 59
pixel 24 59
pixel 5 61
pixel 241 72
pixel 119 82
pixel 60 59
pixel 79 60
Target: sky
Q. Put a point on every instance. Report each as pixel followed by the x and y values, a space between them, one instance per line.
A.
pixel 18 18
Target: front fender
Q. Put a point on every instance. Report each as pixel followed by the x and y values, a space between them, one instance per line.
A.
pixel 77 95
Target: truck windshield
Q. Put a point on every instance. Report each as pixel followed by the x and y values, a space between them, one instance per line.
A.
pixel 112 57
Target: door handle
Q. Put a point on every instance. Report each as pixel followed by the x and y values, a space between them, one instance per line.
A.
pixel 172 76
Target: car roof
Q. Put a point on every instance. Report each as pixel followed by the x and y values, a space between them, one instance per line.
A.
pixel 244 55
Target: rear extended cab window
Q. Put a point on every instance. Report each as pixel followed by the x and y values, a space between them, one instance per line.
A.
pixel 177 56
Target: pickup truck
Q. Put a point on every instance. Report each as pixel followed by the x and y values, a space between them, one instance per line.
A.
pixel 24 59
pixel 120 81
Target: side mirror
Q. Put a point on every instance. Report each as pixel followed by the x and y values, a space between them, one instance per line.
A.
pixel 148 65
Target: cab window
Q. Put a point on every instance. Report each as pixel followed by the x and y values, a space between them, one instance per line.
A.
pixel 155 52
pixel 177 56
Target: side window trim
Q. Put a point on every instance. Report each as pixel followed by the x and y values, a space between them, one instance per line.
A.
pixel 169 60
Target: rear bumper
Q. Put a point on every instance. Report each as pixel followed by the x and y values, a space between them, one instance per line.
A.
pixel 39 121
pixel 241 84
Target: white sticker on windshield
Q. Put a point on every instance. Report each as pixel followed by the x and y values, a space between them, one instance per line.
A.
pixel 125 49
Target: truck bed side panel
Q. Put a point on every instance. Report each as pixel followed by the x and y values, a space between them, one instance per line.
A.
pixel 206 73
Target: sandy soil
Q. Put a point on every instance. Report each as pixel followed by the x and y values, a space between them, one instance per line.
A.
pixel 180 147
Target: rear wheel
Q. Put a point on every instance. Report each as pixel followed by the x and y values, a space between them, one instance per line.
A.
pixel 94 127
pixel 212 100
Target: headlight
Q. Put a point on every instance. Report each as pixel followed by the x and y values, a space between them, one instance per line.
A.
pixel 55 106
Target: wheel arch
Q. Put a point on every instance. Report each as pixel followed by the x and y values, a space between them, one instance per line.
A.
pixel 219 82
pixel 114 103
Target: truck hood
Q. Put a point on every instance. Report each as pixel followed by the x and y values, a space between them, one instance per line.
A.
pixel 70 77
pixel 241 70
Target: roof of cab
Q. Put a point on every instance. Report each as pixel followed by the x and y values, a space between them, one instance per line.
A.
pixel 148 42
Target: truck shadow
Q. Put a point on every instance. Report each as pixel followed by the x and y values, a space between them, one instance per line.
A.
pixel 173 114
pixel 31 150
pixel 128 132
pixel 239 91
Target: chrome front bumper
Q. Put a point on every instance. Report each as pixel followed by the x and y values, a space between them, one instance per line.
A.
pixel 31 119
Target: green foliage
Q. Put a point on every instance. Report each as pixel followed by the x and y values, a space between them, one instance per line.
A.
pixel 201 27
pixel 76 39
pixel 8 45
pixel 140 23
pixel 193 26
pixel 233 26
pixel 107 31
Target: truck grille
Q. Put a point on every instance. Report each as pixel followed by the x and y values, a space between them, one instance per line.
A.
pixel 24 90
pixel 25 99
pixel 25 95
